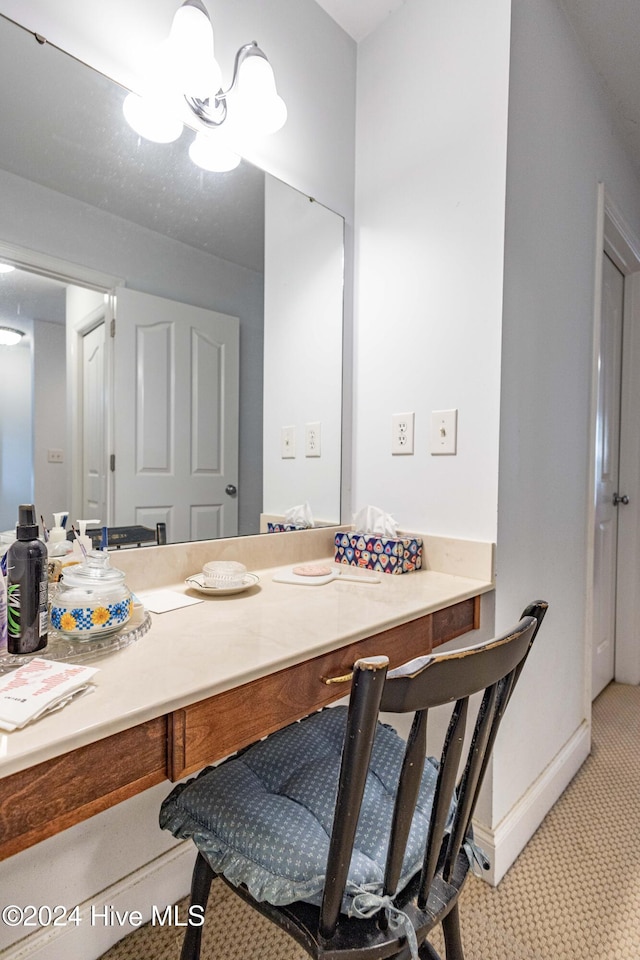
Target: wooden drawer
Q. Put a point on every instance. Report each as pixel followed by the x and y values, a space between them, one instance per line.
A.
pixel 214 728
pixel 45 799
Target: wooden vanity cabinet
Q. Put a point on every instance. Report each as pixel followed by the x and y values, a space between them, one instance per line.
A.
pixel 42 800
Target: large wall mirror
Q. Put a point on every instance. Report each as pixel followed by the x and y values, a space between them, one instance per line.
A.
pixel 218 400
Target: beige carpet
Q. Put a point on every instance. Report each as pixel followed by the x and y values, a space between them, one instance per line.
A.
pixel 573 894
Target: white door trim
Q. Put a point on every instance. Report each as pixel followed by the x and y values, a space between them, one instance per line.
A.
pixel 57 269
pixel 75 332
pixel 614 236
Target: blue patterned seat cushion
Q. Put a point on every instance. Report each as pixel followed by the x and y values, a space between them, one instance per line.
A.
pixel 264 818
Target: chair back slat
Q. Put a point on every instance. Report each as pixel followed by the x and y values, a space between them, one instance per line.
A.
pixel 466 790
pixel 537 610
pixel 445 787
pixel 406 799
pixel 362 718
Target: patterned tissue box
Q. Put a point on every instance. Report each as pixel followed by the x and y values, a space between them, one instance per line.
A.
pixel 385 554
pixel 282 527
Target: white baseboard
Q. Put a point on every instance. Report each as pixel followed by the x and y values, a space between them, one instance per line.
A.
pixel 160 883
pixel 504 843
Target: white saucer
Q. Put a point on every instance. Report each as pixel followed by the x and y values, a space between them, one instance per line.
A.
pixel 197 582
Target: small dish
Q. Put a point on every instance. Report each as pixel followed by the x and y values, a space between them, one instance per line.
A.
pixel 197 582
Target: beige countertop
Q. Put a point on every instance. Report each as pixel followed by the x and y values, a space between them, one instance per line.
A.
pixel 221 642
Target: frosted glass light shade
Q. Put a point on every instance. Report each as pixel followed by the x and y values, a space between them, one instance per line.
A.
pixel 193 65
pixel 211 155
pixel 10 337
pixel 151 119
pixel 256 105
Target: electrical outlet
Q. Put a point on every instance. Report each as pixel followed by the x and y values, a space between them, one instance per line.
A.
pixel 312 439
pixel 288 443
pixel 402 425
pixel 55 456
pixel 444 432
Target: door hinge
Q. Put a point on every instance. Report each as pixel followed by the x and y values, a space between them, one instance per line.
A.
pixel 113 327
pixel 112 462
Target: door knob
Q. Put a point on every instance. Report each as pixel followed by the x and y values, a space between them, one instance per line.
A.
pixel 620 499
pixel 231 490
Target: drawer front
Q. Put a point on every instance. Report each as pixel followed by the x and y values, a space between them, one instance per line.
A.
pixel 212 729
pixel 43 800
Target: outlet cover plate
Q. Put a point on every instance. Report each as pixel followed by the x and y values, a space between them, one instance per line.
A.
pixel 312 436
pixel 402 430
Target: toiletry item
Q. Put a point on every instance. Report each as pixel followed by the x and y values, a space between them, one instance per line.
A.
pixel 57 544
pixel 27 587
pixel 3 614
pixel 82 544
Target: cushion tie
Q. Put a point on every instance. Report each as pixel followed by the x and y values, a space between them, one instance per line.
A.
pixel 365 905
pixel 478 861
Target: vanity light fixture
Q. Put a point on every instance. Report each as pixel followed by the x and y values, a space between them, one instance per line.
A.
pixel 185 84
pixel 9 337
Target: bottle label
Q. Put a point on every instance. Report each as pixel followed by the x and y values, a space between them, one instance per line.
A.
pixel 13 610
pixel 43 624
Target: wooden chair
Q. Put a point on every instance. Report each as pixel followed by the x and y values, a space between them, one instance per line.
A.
pixel 398 841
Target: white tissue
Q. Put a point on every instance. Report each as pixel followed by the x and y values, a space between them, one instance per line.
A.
pixel 300 516
pixel 373 520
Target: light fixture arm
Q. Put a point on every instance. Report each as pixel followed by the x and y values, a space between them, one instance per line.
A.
pixel 214 114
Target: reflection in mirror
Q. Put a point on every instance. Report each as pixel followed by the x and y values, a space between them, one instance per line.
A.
pixel 88 208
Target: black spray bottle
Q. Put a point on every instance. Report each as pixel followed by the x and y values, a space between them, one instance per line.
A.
pixel 27 587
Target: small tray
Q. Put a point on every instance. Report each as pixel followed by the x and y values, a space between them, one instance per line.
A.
pixel 196 582
pixel 69 650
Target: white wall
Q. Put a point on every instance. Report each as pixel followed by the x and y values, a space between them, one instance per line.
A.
pixel 302 339
pixel 561 143
pixel 430 219
pixel 431 158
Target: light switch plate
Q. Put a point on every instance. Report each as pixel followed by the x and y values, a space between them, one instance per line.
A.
pixel 288 443
pixel 444 432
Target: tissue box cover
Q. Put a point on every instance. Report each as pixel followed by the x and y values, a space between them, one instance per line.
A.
pixel 282 527
pixel 385 554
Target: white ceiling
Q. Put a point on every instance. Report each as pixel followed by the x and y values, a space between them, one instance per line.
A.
pixel 607 30
pixel 359 17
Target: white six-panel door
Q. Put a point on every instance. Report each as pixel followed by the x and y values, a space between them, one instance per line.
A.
pixel 175 421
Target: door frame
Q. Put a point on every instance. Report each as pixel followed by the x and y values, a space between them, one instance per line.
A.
pixel 614 237
pixel 76 275
pixel 75 333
